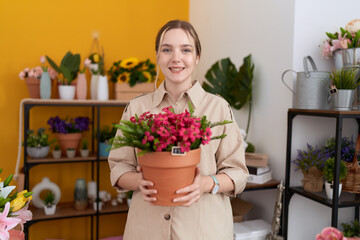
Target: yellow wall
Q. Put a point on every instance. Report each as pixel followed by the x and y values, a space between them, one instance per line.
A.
pixel 30 29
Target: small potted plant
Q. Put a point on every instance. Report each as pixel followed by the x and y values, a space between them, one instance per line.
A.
pixel 38 145
pixel 49 204
pixel 70 152
pixel 104 140
pixel 56 153
pixel 345 81
pixel 84 151
pixel 97 202
pixel 311 163
pixel 352 229
pixel 328 172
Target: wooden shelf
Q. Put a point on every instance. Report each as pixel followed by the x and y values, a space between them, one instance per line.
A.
pixel 67 210
pixel 90 158
pixel 268 185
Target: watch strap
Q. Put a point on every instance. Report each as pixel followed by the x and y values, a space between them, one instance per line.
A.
pixel 216 185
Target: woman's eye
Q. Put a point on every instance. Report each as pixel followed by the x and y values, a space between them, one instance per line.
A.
pixel 165 50
pixel 187 50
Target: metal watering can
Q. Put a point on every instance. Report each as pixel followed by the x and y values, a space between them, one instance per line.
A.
pixel 311 88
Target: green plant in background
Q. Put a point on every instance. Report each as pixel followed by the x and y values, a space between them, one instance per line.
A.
pixel 345 78
pixel 49 199
pixel 69 67
pixel 84 145
pixel 235 86
pixel 352 229
pixel 129 194
pixel 106 133
pixel 57 148
pixel 328 170
pixel 40 139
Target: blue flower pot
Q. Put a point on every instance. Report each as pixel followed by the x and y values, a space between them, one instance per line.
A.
pixel 102 149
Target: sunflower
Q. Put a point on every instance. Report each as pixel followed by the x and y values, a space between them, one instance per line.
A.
pixel 123 77
pixel 148 76
pixel 129 63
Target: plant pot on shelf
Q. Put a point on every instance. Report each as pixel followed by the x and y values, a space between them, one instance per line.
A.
pixel 70 152
pixel 84 152
pixel 329 189
pixel 50 210
pixel 56 153
pixel 16 235
pixel 343 100
pixel 66 92
pixel 45 86
pixel 103 146
pixel 33 85
pixel 38 152
pixel 81 86
pixel 95 205
pixel 102 88
pixel 313 180
pixel 123 91
pixel 68 140
pixel 169 173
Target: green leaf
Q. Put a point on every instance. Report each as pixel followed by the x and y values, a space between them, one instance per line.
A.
pixel 53 64
pixel 8 180
pixel 356 39
pixel 331 36
pixel 67 74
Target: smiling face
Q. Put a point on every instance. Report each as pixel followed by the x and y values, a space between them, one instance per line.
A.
pixel 177 57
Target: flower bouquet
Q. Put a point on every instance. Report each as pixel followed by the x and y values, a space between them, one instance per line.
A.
pixel 69 131
pixel 168 147
pixel 13 209
pixel 132 77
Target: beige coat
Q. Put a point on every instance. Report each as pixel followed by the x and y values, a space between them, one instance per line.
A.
pixel 211 217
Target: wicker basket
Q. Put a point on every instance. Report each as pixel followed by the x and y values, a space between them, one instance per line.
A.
pixel 352 181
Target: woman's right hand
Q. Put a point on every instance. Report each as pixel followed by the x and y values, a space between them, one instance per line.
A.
pixel 143 186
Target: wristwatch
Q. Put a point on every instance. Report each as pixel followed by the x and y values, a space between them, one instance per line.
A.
pixel 216 186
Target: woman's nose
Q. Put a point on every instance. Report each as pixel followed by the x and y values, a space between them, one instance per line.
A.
pixel 176 56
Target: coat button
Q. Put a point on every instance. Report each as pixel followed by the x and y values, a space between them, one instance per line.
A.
pixel 167 217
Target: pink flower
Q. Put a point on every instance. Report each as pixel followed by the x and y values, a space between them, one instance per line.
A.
pixel 52 73
pixel 330 233
pixel 38 71
pixel 7 223
pixel 42 59
pixel 22 75
pixel 23 214
pixel 327 49
pixel 87 62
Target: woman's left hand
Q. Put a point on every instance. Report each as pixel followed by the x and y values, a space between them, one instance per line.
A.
pixel 194 191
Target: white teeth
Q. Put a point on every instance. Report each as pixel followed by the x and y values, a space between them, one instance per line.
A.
pixel 176 69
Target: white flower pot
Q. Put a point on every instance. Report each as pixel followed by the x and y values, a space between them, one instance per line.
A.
pixel 128 200
pixel 56 153
pixel 93 85
pixel 102 88
pixel 70 153
pixel 50 210
pixel 95 205
pixel 329 189
pixel 66 92
pixel 36 152
pixel 84 152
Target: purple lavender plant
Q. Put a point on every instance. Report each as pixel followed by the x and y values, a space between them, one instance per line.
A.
pixel 347 149
pixel 76 125
pixel 309 158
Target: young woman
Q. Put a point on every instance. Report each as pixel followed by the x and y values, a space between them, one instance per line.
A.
pixel 206 211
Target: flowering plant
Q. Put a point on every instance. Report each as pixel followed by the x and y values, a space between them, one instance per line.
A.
pixel 97 63
pixel 58 125
pixel 346 38
pixel 132 71
pixel 160 132
pixel 330 233
pixel 87 63
pixel 309 158
pixel 347 149
pixel 37 71
pixel 13 207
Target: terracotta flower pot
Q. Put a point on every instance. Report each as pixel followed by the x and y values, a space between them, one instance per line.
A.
pixel 33 85
pixel 169 173
pixel 69 140
pixel 16 235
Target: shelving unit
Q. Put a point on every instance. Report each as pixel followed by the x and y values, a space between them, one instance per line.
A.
pixel 66 210
pixel 346 199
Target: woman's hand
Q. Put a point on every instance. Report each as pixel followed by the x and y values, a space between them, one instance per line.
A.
pixel 194 191
pixel 143 186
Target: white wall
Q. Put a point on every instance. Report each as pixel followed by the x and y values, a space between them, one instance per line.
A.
pixel 278 34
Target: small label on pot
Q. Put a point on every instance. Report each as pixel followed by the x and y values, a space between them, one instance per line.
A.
pixel 177 151
pixel 333 90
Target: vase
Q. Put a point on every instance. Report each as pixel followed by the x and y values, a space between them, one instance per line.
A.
pixel 66 92
pixel 45 86
pixel 80 194
pixel 102 88
pixel 16 235
pixel 103 146
pixel 343 99
pixel 38 152
pixel 349 59
pixel 329 189
pixel 123 91
pixel 33 85
pixel 68 140
pixel 93 85
pixel 313 180
pixel 92 189
pixel 169 173
pixel 81 86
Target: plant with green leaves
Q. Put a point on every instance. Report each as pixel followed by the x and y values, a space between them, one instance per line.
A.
pixel 57 147
pixel 107 133
pixel 345 78
pixel 235 86
pixel 49 199
pixel 84 145
pixel 68 68
pixel 40 139
pixel 351 229
pixel 328 170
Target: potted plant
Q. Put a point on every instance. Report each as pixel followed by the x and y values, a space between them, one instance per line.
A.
pixel 132 77
pixel 311 162
pixel 70 152
pixel 352 229
pixel 104 140
pixel 84 151
pixel 37 145
pixel 328 172
pixel 56 153
pixel 345 81
pixel 164 147
pixel 68 131
pixel 67 70
pixel 49 204
pixel 347 149
pixel 95 66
